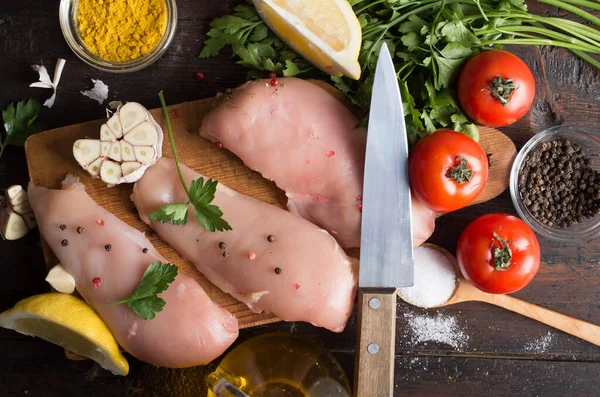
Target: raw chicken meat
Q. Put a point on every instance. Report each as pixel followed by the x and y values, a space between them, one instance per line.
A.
pixel 302 275
pixel 190 330
pixel 306 141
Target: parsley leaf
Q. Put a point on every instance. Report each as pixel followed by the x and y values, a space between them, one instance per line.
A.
pixel 200 195
pixel 20 122
pixel 144 300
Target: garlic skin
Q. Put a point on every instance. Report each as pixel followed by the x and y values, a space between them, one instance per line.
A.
pixel 130 141
pixel 61 280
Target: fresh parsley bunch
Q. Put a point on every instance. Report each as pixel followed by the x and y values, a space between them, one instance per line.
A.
pixel 430 40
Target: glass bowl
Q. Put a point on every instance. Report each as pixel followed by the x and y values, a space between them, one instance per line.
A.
pixel 68 23
pixel 589 139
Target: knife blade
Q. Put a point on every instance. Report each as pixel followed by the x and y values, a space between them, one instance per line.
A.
pixel 386 254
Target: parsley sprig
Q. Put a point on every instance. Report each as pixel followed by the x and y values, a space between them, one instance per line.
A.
pixel 200 195
pixel 20 122
pixel 430 41
pixel 144 300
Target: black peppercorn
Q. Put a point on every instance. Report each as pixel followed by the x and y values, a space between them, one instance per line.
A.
pixel 277 270
pixel 145 250
pixel 225 254
pixel 108 247
pixel 270 238
pixel 64 243
pixel 80 229
pixel 63 227
pixel 222 245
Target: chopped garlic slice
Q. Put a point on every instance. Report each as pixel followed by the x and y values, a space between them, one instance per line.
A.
pixel 45 81
pixel 61 280
pixel 98 93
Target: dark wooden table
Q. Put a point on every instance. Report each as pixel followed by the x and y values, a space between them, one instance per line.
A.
pixel 505 354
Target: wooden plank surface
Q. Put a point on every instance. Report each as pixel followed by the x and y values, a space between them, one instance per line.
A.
pixel 499 357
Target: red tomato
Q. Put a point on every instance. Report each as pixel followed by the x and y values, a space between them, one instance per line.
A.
pixel 448 170
pixel 498 253
pixel 485 93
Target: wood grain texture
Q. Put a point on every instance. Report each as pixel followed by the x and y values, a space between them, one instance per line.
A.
pixel 376 347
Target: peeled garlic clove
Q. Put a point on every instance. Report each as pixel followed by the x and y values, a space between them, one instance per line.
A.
pixel 127 152
pixel 30 220
pixel 110 172
pixel 106 134
pixel 22 208
pixel 115 151
pixel 13 191
pixel 13 226
pixel 129 167
pixel 94 167
pixel 86 150
pixel 142 134
pixel 114 123
pixel 144 154
pixel 61 280
pixel 105 148
pixel 132 114
pixel 20 198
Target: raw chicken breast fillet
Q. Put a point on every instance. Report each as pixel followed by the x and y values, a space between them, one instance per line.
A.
pixel 315 281
pixel 190 330
pixel 306 141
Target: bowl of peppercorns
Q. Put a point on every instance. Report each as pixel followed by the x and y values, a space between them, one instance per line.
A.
pixel 555 183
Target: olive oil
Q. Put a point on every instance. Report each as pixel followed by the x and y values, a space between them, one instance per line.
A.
pixel 278 365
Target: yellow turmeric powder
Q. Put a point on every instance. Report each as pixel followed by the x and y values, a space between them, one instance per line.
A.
pixel 121 30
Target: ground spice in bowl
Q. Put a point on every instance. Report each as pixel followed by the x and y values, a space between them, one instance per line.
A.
pixel 121 30
pixel 557 184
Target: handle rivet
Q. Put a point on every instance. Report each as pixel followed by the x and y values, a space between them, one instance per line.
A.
pixel 373 348
pixel 374 303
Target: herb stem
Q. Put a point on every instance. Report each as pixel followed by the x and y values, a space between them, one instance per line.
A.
pixel 575 10
pixel 584 3
pixel 591 60
pixel 538 41
pixel 170 132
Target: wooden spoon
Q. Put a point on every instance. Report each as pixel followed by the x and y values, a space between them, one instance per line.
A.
pixel 465 291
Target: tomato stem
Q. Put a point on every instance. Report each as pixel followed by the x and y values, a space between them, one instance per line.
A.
pixel 460 173
pixel 502 88
pixel 503 255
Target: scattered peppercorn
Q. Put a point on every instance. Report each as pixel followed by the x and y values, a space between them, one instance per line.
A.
pixel 108 247
pixel 64 243
pixel 330 153
pixel 200 76
pixel 270 238
pixel 145 250
pixel 100 222
pixel 359 208
pixel 80 229
pixel 277 270
pixel 96 281
pixel 225 254
pixel 251 255
pixel 219 144
pixel 272 75
pixel 274 82
pixel 222 245
pixel 63 227
pixel 558 186
pixel 297 286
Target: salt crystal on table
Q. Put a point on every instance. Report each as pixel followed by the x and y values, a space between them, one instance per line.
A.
pixel 435 279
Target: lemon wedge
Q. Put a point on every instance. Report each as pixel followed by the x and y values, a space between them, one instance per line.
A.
pixel 69 322
pixel 325 32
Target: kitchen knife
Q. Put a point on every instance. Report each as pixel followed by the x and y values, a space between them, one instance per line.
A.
pixel 386 254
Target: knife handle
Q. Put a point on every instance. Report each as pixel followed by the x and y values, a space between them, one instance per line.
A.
pixel 374 369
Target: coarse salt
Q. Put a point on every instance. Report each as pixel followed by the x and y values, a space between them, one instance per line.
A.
pixel 438 328
pixel 540 345
pixel 435 279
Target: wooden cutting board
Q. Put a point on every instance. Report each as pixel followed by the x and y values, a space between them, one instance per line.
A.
pixel 50 158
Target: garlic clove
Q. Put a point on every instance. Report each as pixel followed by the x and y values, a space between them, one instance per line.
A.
pixel 104 149
pixel 94 167
pixel 22 208
pixel 144 154
pixel 61 280
pixel 86 150
pixel 130 166
pixel 106 134
pixel 110 172
pixel 114 123
pixel 132 114
pixel 127 151
pixel 142 134
pixel 13 191
pixel 30 220
pixel 115 151
pixel 20 198
pixel 13 227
